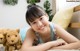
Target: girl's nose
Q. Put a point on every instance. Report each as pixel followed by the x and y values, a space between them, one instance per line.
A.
pixel 39 23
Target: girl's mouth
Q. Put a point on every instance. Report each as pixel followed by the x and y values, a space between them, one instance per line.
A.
pixel 41 28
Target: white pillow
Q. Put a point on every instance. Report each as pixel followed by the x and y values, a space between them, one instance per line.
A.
pixel 63 17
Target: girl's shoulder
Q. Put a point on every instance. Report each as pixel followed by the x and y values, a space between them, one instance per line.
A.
pixel 30 32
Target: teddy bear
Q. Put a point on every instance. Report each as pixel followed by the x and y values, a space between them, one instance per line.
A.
pixel 2 39
pixel 13 40
pixel 3 36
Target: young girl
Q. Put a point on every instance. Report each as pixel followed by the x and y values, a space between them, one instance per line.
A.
pixel 42 34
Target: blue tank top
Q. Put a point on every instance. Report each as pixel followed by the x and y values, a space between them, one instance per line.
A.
pixel 53 37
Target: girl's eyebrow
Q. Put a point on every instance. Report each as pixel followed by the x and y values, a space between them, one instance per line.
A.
pixel 33 21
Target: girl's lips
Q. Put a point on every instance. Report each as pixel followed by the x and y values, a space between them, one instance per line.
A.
pixel 41 28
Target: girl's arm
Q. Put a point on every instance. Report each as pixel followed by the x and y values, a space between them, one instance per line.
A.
pixel 27 44
pixel 65 35
pixel 75 45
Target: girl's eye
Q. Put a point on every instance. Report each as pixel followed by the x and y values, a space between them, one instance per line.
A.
pixel 34 23
pixel 41 18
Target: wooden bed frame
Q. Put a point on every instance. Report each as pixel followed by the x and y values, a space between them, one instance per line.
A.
pixel 75 24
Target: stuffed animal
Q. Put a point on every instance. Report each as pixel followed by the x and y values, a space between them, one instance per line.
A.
pixel 13 40
pixel 2 39
pixel 3 36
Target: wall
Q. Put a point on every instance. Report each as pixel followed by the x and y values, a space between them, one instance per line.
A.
pixel 14 16
pixel 62 4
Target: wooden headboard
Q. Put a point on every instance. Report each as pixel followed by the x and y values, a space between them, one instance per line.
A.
pixel 75 24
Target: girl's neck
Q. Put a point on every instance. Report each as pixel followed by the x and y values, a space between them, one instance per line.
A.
pixel 46 36
pixel 46 33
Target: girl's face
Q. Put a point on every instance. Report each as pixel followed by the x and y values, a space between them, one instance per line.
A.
pixel 40 24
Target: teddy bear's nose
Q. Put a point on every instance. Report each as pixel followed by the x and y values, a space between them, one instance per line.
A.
pixel 12 40
pixel 1 38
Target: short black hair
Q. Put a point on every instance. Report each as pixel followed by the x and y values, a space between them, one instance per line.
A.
pixel 33 12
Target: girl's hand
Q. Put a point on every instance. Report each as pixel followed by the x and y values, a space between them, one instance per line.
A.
pixel 60 42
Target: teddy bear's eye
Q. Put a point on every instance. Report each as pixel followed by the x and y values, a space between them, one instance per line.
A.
pixel 8 36
pixel 15 35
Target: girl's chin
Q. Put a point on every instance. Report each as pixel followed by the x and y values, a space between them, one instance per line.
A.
pixel 42 31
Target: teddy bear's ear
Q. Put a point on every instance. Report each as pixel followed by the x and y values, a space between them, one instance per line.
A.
pixel 5 33
pixel 18 30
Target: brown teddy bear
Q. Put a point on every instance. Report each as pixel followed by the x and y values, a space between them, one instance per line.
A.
pixel 3 33
pixel 2 39
pixel 13 40
pixel 3 36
